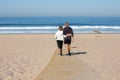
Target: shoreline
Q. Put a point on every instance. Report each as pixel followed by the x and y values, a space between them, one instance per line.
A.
pixel 48 33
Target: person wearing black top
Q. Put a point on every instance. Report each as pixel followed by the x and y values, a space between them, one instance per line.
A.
pixel 68 37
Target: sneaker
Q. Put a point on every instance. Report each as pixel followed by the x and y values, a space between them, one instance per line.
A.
pixel 61 54
pixel 69 54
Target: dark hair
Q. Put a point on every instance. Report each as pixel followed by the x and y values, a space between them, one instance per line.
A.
pixel 60 28
pixel 67 23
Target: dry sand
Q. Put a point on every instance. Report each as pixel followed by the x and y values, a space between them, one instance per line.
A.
pixel 23 57
pixel 67 68
pixel 103 53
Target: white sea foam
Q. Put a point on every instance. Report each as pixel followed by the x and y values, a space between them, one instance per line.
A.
pixel 53 29
pixel 39 27
pixel 93 27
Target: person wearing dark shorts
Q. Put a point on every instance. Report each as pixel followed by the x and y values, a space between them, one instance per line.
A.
pixel 59 39
pixel 60 44
pixel 68 37
pixel 67 41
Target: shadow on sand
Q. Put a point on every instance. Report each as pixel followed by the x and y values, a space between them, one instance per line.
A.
pixel 77 53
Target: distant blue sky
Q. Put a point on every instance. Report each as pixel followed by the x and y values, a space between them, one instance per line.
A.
pixel 60 8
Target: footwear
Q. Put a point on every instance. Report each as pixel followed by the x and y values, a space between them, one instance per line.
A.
pixel 61 54
pixel 69 54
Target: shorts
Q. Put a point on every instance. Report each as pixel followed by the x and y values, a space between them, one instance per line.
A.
pixel 59 44
pixel 67 41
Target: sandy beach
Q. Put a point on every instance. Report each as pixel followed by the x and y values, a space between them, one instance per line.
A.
pixel 26 56
pixel 102 54
pixel 23 57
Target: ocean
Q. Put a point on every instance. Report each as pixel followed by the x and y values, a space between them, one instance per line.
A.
pixel 44 25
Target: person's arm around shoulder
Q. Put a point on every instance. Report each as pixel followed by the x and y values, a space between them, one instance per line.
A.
pixel 64 33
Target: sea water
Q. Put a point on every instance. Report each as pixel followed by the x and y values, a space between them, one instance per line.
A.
pixel 45 25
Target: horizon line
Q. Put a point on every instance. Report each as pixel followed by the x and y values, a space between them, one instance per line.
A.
pixel 55 16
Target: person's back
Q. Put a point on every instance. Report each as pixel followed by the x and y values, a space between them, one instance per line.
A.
pixel 68 36
pixel 59 39
pixel 59 35
pixel 68 30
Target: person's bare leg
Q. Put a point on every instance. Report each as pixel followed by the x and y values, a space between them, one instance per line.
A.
pixel 69 48
pixel 61 52
pixel 66 46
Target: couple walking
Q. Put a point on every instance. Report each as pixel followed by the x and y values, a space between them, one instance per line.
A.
pixel 65 35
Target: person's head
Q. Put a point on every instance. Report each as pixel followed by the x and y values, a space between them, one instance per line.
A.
pixel 66 24
pixel 60 28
